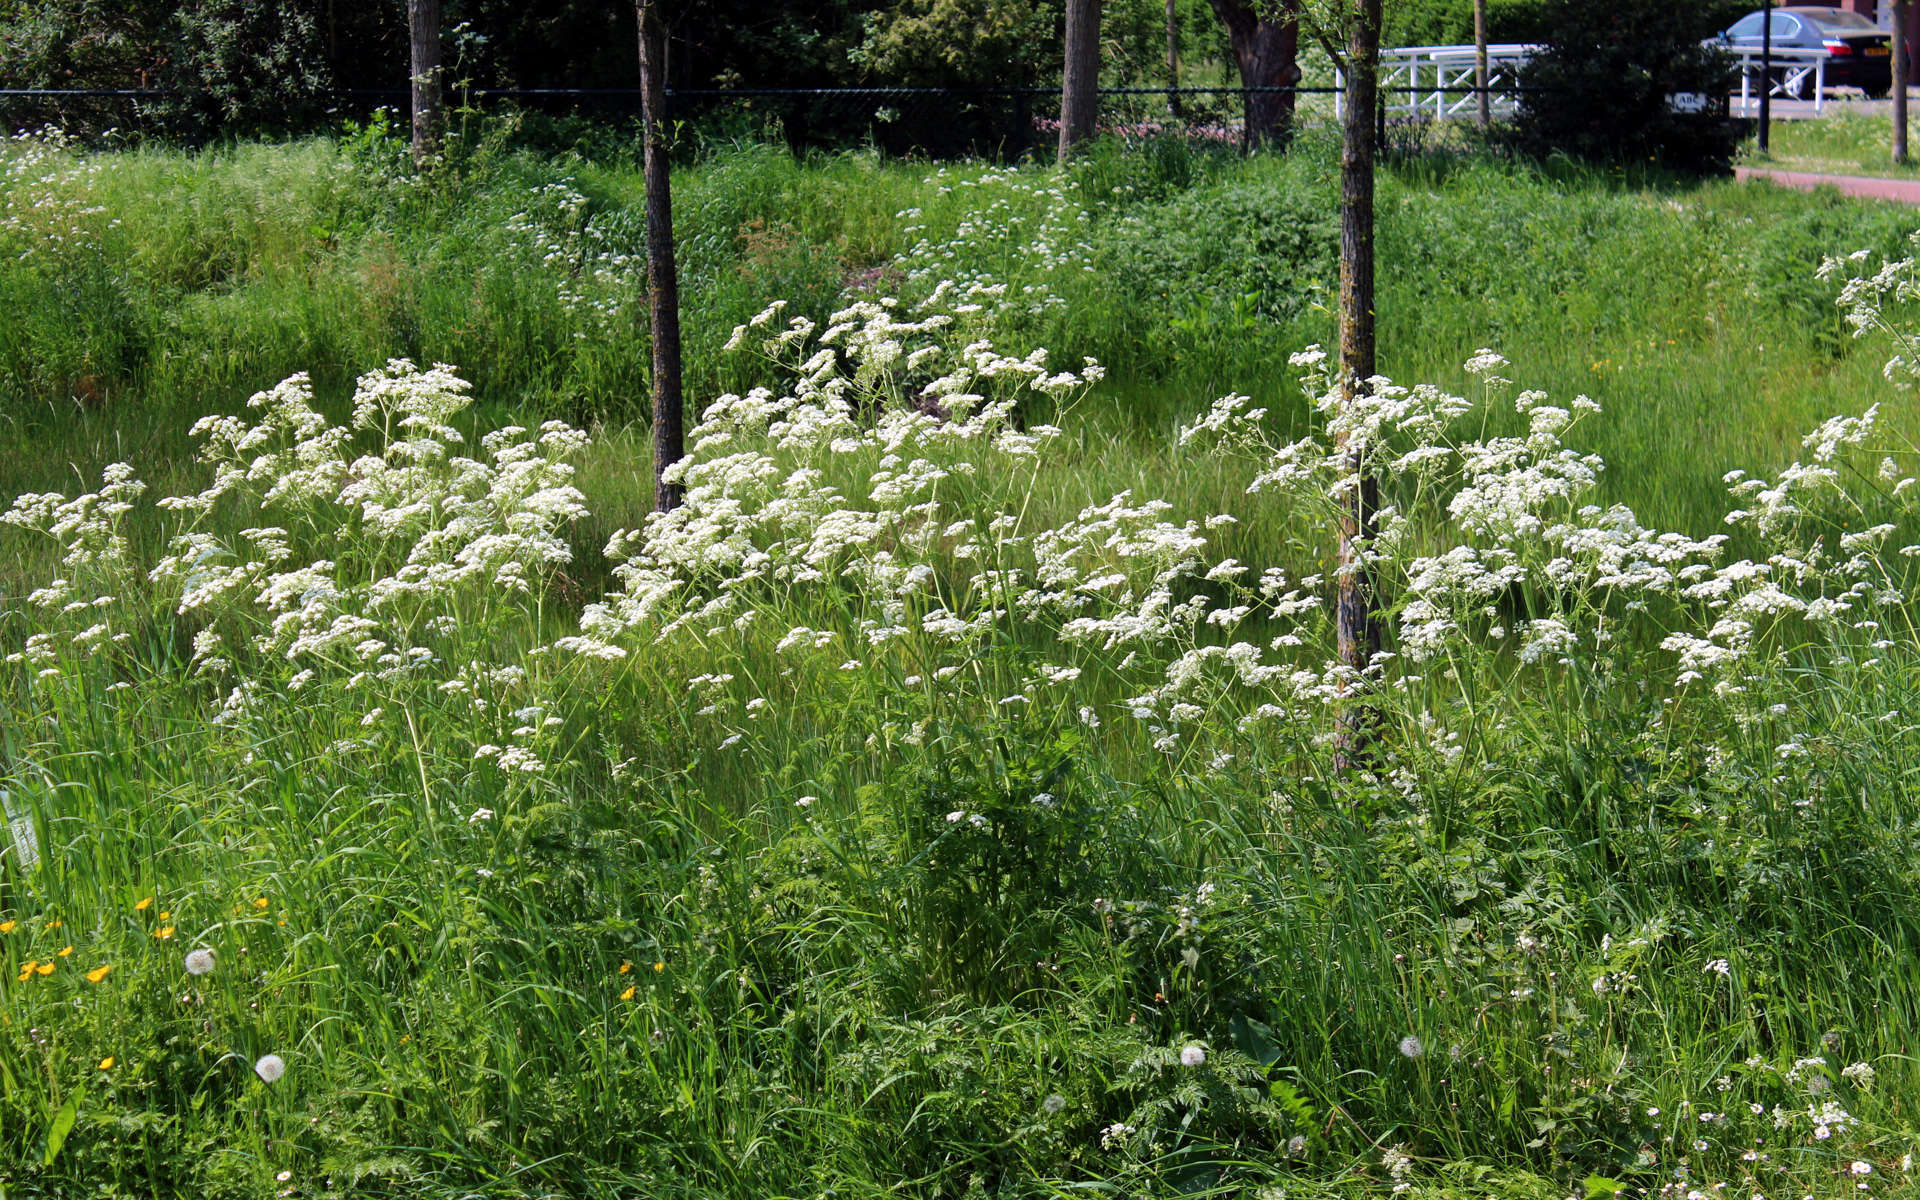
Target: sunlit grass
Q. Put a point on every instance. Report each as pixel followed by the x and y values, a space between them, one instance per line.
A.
pixel 1846 140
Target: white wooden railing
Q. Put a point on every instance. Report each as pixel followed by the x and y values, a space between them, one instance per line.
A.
pixel 1799 70
pixel 1438 81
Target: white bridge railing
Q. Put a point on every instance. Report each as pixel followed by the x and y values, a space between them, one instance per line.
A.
pixel 1796 72
pixel 1438 81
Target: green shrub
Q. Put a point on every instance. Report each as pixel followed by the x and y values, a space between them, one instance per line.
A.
pixel 1598 89
pixel 1450 22
pixel 1249 246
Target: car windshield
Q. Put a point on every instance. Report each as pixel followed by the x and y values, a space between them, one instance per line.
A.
pixel 1839 20
pixel 1749 26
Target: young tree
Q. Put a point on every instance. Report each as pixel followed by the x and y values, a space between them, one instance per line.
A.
pixel 1079 90
pixel 1357 627
pixel 1482 102
pixel 423 34
pixel 1265 36
pixel 1173 57
pixel 1350 30
pixel 1902 70
pixel 663 282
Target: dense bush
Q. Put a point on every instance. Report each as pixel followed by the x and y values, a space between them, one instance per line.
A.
pixel 224 66
pixel 1598 89
pixel 1264 251
pixel 1450 22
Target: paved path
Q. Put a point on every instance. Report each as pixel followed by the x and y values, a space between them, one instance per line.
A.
pixel 1839 101
pixel 1903 191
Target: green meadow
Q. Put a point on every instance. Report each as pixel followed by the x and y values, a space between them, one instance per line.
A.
pixel 944 801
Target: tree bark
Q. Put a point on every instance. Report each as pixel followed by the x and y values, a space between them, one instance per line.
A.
pixel 663 283
pixel 1079 91
pixel 1357 629
pixel 1268 54
pixel 1901 70
pixel 1483 104
pixel 423 34
pixel 1173 58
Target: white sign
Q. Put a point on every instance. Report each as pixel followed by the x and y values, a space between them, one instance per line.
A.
pixel 1687 102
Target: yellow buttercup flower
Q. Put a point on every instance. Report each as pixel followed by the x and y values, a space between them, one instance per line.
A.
pixel 46 968
pixel 106 1064
pixel 164 932
pixel 625 967
pixel 260 903
pixel 628 994
pixel 26 971
pixel 164 914
pixel 55 924
pixel 660 966
pixel 143 904
pixel 99 973
pixel 7 926
pixel 65 950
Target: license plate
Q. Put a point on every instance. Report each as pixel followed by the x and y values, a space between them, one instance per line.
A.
pixel 1879 51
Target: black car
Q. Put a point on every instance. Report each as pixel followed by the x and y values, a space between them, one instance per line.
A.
pixel 1860 53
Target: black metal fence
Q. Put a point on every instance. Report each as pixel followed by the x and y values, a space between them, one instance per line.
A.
pixel 1001 122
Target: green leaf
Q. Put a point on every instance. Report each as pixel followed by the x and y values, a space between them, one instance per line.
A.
pixel 1254 1039
pixel 63 1125
pixel 1599 1186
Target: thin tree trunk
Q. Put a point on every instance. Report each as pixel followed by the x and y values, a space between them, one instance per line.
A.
pixel 1765 139
pixel 423 34
pixel 1357 630
pixel 1173 58
pixel 1480 73
pixel 1079 91
pixel 1266 46
pixel 663 283
pixel 1901 70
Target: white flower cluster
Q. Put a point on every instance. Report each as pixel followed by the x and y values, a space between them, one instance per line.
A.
pixel 892 469
pixel 598 277
pixel 895 471
pixel 845 478
pixel 77 607
pixel 46 205
pixel 1018 237
pixel 424 554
